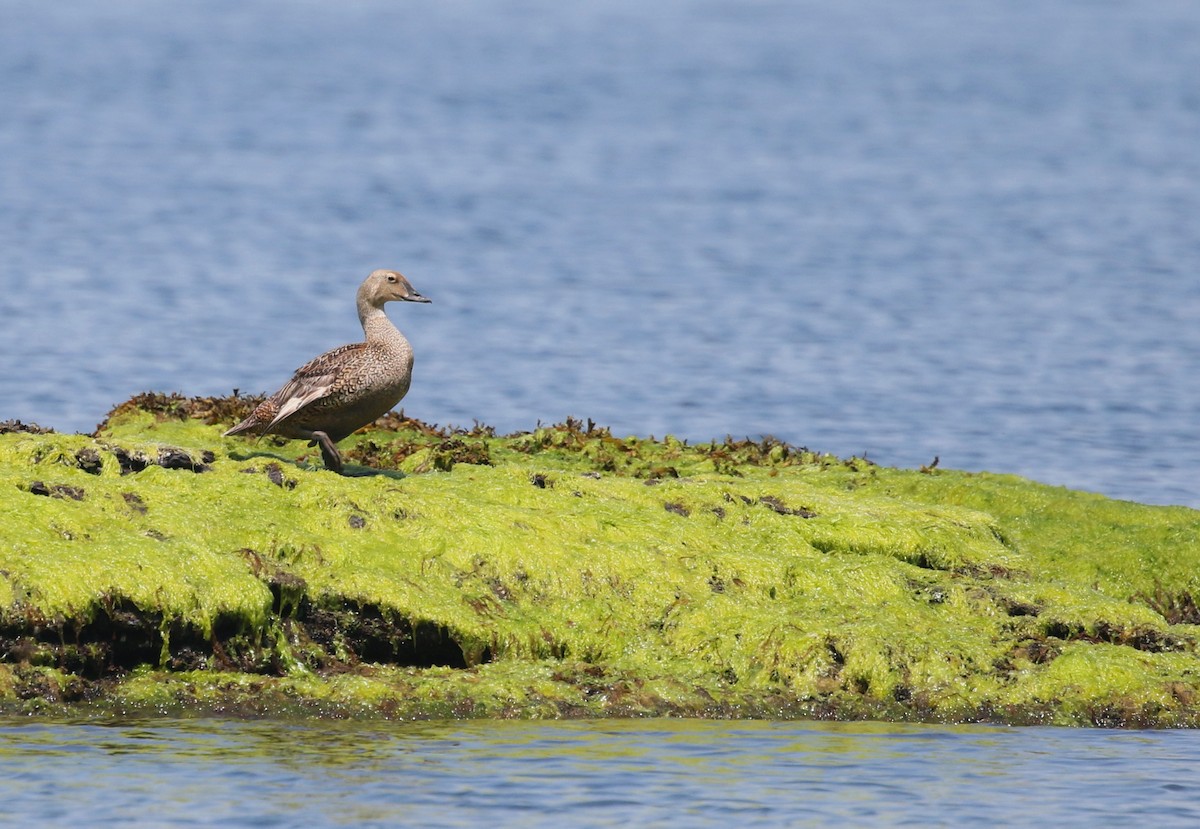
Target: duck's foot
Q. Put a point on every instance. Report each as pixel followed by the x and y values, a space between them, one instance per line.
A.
pixel 329 452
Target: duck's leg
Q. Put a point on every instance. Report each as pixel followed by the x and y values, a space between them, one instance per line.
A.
pixel 329 452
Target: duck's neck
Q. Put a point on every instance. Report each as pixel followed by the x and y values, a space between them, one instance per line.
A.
pixel 378 328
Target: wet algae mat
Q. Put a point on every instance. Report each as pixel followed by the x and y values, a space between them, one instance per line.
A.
pixel 156 566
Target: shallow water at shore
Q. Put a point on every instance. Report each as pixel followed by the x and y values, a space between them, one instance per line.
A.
pixel 679 773
pixel 962 231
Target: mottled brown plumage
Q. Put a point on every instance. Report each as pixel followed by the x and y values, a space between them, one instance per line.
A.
pixel 346 388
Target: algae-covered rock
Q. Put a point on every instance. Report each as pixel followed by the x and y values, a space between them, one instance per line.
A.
pixel 565 571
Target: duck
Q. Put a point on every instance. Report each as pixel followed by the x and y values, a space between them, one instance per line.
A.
pixel 339 392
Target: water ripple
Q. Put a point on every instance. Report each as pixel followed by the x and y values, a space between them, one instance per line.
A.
pixel 690 773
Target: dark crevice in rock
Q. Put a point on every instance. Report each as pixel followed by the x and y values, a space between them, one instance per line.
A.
pixel 776 505
pixel 275 475
pixel 115 636
pixel 168 457
pixel 89 461
pixel 135 502
pixel 351 632
pixel 1177 607
pixel 1148 639
pixel 75 493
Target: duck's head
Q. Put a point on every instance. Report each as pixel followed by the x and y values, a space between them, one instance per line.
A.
pixel 387 286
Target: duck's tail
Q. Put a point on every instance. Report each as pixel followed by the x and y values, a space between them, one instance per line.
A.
pixel 250 424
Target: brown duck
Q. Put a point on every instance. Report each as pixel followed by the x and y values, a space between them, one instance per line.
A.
pixel 346 388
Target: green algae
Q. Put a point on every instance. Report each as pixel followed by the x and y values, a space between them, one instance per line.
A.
pixel 569 572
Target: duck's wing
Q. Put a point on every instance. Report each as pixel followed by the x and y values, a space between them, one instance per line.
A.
pixel 313 381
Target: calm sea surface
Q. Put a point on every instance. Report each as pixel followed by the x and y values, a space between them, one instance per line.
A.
pixel 631 774
pixel 958 229
pixel 966 229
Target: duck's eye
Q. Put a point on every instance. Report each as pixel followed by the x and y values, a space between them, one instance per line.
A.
pixel 391 277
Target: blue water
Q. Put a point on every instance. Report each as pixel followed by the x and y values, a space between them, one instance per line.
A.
pixel 905 230
pixel 959 229
pixel 664 773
